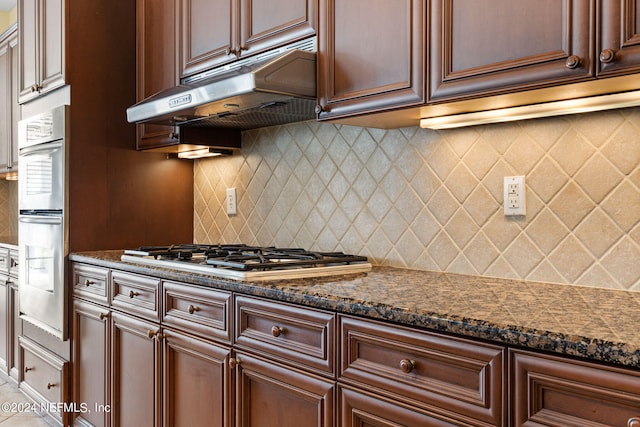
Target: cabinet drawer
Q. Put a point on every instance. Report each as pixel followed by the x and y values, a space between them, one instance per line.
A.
pixel 137 295
pixel 451 376
pixel 201 311
pixel 90 283
pixel 299 336
pixel 43 374
pixel 550 391
pixel 4 260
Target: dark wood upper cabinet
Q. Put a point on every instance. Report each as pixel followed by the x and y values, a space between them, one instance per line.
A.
pixel 42 47
pixel 496 46
pixel 157 66
pixel 501 46
pixel 618 46
pixel 371 56
pixel 214 32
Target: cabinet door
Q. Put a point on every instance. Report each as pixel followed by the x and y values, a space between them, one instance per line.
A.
pixel 15 330
pixel 357 407
pixel 619 42
pixel 157 67
pixel 271 395
pixel 197 384
pixel 371 56
pixel 496 46
pixel 91 362
pixel 41 26
pixel 4 325
pixel 135 372
pixel 5 104
pixel 266 24
pixel 207 34
pixel 15 107
pixel 554 392
pixel 28 35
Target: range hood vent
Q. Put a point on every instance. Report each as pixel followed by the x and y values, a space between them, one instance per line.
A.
pixel 273 88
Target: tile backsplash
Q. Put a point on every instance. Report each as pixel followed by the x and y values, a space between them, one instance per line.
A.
pixel 432 200
pixel 9 210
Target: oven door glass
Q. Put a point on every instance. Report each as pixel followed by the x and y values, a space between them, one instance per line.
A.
pixel 41 171
pixel 41 277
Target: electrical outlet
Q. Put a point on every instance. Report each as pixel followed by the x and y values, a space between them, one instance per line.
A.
pixel 514 196
pixel 232 208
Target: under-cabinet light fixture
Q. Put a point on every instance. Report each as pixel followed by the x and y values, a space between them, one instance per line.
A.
pixel 204 152
pixel 547 109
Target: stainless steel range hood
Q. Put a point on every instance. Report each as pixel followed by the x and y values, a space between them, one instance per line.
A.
pixel 274 88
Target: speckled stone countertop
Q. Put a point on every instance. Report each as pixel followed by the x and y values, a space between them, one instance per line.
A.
pixel 592 323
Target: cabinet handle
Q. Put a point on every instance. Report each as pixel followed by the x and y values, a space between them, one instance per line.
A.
pixel 104 316
pixel 634 422
pixel 27 369
pixel 607 56
pixel 233 362
pixel 157 335
pixel 89 282
pixel 407 365
pixel 133 294
pixel 277 331
pixel 573 62
pixel 50 386
pixel 193 309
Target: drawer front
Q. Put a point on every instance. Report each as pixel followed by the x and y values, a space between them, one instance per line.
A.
pixel 451 376
pixel 550 391
pixel 298 336
pixel 43 373
pixel 13 262
pixel 4 260
pixel 137 295
pixel 201 311
pixel 90 283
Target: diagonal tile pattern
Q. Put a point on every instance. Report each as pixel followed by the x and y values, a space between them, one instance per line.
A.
pixel 432 200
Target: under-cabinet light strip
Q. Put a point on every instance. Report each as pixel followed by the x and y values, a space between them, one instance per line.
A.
pixel 556 108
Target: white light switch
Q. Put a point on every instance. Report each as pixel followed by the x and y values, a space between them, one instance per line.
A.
pixel 514 196
pixel 232 208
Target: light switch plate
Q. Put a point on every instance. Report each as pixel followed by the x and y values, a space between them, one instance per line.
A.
pixel 514 196
pixel 232 207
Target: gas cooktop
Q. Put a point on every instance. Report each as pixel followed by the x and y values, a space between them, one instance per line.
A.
pixel 247 263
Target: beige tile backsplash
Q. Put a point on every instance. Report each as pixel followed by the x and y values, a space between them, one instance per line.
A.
pixel 427 199
pixel 9 210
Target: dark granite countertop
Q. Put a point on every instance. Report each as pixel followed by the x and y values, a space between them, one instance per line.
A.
pixel 592 323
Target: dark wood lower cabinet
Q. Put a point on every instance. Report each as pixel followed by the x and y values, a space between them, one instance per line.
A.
pixel 555 392
pixel 196 382
pixel 272 395
pixel 362 409
pixel 91 375
pixel 135 372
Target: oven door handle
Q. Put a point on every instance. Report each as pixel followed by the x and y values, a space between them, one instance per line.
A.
pixel 41 219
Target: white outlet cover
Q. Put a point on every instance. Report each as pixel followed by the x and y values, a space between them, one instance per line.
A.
pixel 515 203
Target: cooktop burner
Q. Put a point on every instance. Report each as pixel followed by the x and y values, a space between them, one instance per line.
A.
pixel 245 262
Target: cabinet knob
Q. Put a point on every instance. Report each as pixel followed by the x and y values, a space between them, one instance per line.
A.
pixel 50 386
pixel 104 316
pixel 607 56
pixel 155 334
pixel 277 331
pixel 573 62
pixel 27 369
pixel 233 362
pixel 407 365
pixel 193 309
pixel 319 109
pixel 133 294
pixel 634 422
pixel 231 51
pixel 34 88
pixel 89 282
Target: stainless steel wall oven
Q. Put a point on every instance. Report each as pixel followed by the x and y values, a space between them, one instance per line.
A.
pixel 42 228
